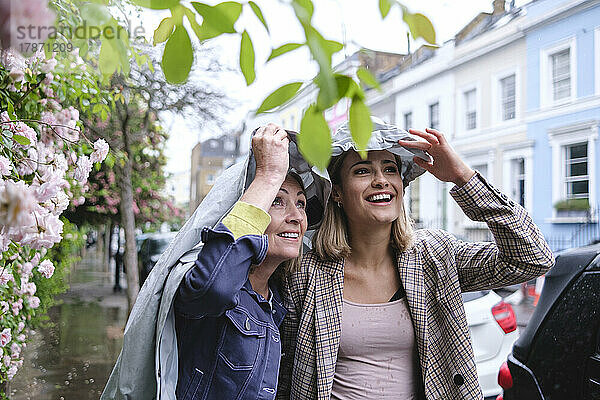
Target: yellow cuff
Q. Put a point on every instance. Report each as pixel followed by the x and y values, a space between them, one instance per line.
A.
pixel 246 219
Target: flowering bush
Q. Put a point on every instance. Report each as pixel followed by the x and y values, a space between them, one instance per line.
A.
pixel 45 162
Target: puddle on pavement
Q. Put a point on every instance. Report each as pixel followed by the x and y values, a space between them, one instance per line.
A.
pixel 73 356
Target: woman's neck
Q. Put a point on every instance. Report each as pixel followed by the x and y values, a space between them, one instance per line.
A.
pixel 370 248
pixel 259 277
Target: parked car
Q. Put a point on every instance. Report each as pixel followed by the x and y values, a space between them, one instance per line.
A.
pixel 493 327
pixel 558 355
pixel 150 250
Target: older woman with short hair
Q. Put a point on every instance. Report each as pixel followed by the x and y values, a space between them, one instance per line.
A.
pixel 375 311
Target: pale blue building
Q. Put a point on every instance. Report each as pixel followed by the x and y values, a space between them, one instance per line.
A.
pixel 562 116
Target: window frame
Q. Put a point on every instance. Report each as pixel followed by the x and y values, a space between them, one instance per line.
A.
pixel 546 83
pixel 559 138
pixel 523 151
pixel 429 114
pixel 404 115
pixel 461 110
pixel 597 58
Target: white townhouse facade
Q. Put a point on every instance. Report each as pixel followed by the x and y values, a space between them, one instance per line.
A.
pixel 490 131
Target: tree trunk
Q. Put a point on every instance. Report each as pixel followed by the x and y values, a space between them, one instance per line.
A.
pixel 128 224
pixel 108 228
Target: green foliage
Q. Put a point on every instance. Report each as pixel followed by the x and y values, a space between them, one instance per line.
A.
pixel 247 58
pixel 419 25
pixel 360 125
pixel 314 140
pixel 279 96
pixel 572 205
pixel 367 78
pixel 259 14
pixel 384 7
pixel 178 56
pixel 284 49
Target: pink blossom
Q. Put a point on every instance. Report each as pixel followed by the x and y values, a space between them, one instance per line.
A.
pixel 17 306
pixel 46 268
pixel 21 337
pixel 6 361
pixel 25 130
pixel 100 151
pixel 35 259
pixel 48 232
pixel 5 337
pixel 6 121
pixel 17 201
pixel 12 371
pixel 5 166
pixel 4 307
pixel 48 79
pixel 82 171
pixel 25 13
pixel 26 269
pixel 28 288
pixel 34 301
pixel 15 350
pixel 4 242
pixel 48 65
pixel 5 276
pixel 20 326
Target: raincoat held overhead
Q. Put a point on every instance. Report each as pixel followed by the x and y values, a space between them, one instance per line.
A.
pixel 148 364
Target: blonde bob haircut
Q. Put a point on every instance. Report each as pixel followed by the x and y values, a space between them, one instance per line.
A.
pixel 332 239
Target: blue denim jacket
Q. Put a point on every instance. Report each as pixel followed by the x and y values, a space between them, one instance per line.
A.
pixel 227 334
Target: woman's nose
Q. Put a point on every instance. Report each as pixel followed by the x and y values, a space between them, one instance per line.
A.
pixel 379 180
pixel 293 215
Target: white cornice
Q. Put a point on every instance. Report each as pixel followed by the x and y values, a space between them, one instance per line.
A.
pixel 562 12
pixel 581 104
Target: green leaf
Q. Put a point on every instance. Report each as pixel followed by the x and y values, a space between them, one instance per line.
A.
pixel 384 7
pixel 314 139
pixel 361 125
pixel 343 83
pixel 284 49
pixel 259 14
pixel 178 56
pixel 94 14
pixel 419 25
pixel 304 10
pixel 333 46
pixel 367 78
pixel 279 96
pixel 247 58
pixel 164 30
pixel 321 50
pixel 156 4
pixel 220 18
pixel 108 59
pixel 21 140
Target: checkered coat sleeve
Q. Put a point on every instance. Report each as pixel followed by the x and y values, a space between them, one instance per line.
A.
pixel 434 273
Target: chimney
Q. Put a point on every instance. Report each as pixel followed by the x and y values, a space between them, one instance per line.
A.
pixel 498 7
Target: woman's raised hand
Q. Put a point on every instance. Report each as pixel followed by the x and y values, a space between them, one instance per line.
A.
pixel 447 166
pixel 270 146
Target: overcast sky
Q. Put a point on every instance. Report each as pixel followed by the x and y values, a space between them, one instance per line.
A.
pixel 355 22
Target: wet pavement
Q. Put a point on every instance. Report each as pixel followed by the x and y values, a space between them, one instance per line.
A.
pixel 72 357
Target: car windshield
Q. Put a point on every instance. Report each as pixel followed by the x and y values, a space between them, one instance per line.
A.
pixel 157 246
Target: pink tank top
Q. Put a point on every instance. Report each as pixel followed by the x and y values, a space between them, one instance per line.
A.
pixel 377 357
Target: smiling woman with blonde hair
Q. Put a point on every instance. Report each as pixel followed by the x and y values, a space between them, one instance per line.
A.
pixel 375 310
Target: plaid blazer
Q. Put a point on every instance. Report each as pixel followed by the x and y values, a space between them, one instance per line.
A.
pixel 434 273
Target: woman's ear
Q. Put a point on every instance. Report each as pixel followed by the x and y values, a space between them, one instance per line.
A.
pixel 335 193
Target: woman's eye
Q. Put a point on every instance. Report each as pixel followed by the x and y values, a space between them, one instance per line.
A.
pixel 361 171
pixel 301 204
pixel 391 169
pixel 278 201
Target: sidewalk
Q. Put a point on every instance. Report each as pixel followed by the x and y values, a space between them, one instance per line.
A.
pixel 72 358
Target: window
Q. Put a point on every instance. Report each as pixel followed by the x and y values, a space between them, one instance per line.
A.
pixel 508 93
pixel 576 171
pixel 482 169
pixel 518 173
pixel 470 109
pixel 210 179
pixel 229 145
pixel 407 120
pixel 434 116
pixel 560 64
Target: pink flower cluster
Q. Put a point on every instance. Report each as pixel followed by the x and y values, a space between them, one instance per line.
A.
pixel 14 14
